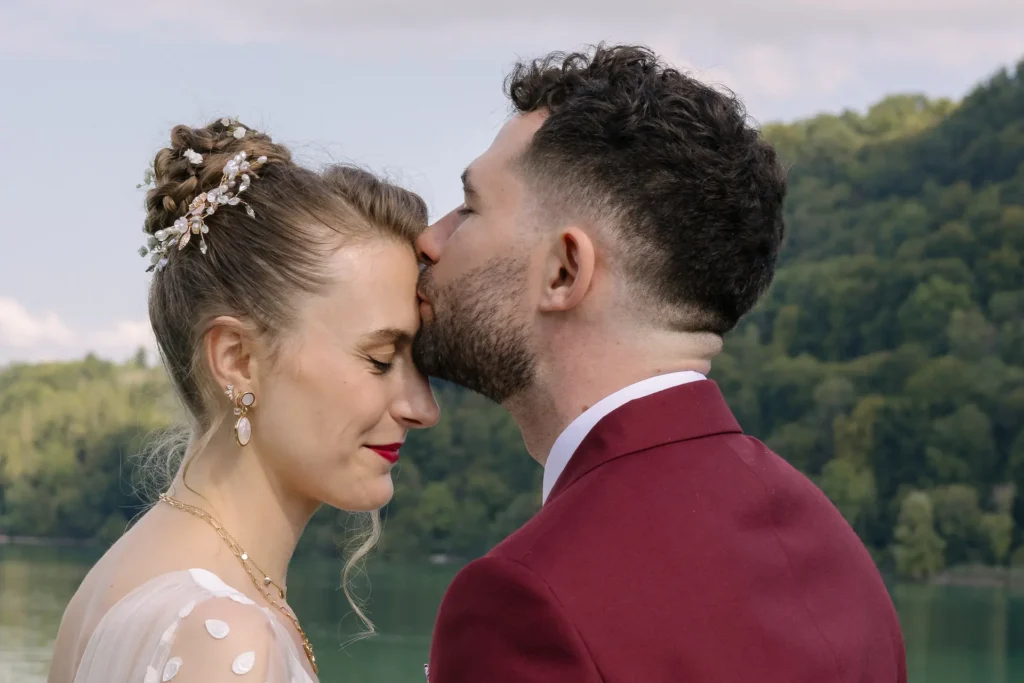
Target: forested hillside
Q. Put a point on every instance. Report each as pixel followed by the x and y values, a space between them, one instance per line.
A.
pixel 887 363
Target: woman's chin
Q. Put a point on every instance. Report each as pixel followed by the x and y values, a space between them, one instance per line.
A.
pixel 371 495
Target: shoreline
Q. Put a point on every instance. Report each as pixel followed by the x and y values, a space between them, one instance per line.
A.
pixel 967 576
pixel 979 576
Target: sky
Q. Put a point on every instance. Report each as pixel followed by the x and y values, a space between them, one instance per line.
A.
pixel 89 90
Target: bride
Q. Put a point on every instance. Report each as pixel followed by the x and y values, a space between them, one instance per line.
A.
pixel 283 302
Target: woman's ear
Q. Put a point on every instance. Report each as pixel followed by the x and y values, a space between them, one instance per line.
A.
pixel 568 270
pixel 229 353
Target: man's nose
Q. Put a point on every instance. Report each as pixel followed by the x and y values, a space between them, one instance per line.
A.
pixel 431 241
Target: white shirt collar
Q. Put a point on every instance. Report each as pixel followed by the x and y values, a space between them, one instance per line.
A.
pixel 570 439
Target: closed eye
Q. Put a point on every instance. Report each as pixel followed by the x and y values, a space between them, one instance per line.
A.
pixel 381 367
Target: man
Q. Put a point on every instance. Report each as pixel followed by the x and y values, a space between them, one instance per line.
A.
pixel 619 225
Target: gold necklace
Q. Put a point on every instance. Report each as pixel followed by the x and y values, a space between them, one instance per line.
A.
pixel 243 557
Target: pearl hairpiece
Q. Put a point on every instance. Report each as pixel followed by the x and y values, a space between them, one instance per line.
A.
pixel 237 171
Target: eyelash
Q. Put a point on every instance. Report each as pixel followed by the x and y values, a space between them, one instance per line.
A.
pixel 464 211
pixel 380 367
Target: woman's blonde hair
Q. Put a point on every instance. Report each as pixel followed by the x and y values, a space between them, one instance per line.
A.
pixel 299 218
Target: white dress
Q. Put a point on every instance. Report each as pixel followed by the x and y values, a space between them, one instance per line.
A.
pixel 191 627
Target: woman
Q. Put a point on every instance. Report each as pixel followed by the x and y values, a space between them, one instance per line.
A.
pixel 283 302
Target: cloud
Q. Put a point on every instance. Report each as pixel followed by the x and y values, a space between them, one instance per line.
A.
pixel 775 51
pixel 28 336
pixel 21 329
pixel 271 20
pixel 272 17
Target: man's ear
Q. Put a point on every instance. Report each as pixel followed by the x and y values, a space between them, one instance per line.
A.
pixel 568 270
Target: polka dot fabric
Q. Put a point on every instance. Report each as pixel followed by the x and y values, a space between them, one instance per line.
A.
pixel 192 627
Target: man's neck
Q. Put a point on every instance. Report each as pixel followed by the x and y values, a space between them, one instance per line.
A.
pixel 569 383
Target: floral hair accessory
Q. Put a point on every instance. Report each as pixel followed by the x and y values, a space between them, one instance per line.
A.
pixel 238 132
pixel 148 178
pixel 238 175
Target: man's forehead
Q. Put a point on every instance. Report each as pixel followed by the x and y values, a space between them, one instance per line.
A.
pixel 511 141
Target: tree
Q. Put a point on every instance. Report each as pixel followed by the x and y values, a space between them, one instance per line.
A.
pixel 958 520
pixel 436 516
pixel 962 448
pixel 1007 312
pixel 848 480
pixel 1002 270
pixel 998 530
pixel 785 329
pixel 851 488
pixel 925 316
pixel 971 336
pixel 798 443
pixel 918 548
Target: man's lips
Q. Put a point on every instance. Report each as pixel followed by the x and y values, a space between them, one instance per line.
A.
pixel 424 304
pixel 388 452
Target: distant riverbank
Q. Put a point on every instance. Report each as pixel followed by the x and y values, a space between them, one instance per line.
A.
pixel 971 576
pixel 981 576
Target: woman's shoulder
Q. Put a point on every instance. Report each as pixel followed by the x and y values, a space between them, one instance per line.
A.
pixel 220 636
pixel 191 625
pixel 174 596
pixel 173 590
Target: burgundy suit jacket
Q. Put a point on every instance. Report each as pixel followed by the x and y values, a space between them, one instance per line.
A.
pixel 673 548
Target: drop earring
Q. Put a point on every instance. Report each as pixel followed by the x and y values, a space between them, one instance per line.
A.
pixel 243 402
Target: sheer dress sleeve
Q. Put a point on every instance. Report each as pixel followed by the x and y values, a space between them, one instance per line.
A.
pixel 190 627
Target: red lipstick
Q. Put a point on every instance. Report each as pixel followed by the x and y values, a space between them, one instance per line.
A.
pixel 388 452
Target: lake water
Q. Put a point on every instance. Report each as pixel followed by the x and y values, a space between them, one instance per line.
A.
pixel 953 635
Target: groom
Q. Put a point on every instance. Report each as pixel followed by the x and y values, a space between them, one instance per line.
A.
pixel 619 225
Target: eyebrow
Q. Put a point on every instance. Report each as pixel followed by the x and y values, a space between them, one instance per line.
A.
pixel 467 186
pixel 388 335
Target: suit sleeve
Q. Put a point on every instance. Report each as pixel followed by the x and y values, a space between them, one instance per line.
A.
pixel 500 622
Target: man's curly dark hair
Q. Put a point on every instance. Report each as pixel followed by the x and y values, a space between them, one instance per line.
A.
pixel 691 189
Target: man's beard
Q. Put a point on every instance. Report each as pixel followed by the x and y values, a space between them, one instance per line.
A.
pixel 474 338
